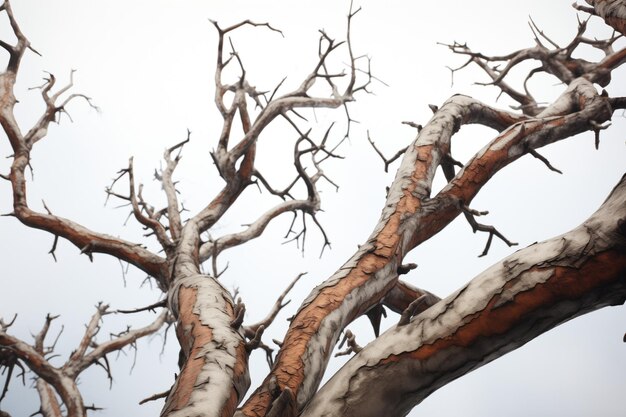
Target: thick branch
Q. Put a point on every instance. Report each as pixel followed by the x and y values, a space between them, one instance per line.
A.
pixel 49 405
pixel 509 304
pixel 364 280
pixel 214 377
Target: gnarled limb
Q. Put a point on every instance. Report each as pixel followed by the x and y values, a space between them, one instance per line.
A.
pixel 86 240
pixel 81 359
pixel 224 348
pixel 63 379
pixel 370 274
pixel 511 303
pixel 310 205
pixel 65 386
pixel 555 60
pixel 143 212
pixel 227 155
pixel 210 327
pixel 411 217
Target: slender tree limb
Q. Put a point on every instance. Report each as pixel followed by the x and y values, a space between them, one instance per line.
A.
pixel 386 161
pixel 173 213
pixel 65 386
pixel 352 347
pixel 149 221
pixel 251 330
pixel 155 397
pixel 78 363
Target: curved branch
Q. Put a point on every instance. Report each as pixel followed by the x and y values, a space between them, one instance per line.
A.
pixel 370 274
pixel 65 386
pixel 252 329
pixel 511 303
pixel 81 359
pixel 86 240
pixel 173 213
pixel 254 230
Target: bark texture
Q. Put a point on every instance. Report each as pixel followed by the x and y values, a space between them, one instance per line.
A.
pixel 612 11
pixel 434 341
pixel 511 303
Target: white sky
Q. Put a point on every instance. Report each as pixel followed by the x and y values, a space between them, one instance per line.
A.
pixel 149 67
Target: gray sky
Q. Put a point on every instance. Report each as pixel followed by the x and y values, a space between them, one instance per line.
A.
pixel 149 67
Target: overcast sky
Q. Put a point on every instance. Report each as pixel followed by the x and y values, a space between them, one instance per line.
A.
pixel 148 65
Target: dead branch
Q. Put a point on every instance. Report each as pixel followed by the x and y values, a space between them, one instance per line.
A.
pixel 386 161
pixel 255 342
pixel 49 405
pixel 173 213
pixel 36 362
pixel 63 379
pixel 613 12
pixel 544 160
pixel 402 295
pixel 154 397
pixel 416 307
pixel 470 215
pixel 555 60
pixel 22 145
pixel 142 211
pixel 369 279
pixel 251 330
pixel 151 307
pixel 353 346
pixel 81 359
pixel 226 156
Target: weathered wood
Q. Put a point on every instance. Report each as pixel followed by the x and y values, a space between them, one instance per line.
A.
pixel 511 303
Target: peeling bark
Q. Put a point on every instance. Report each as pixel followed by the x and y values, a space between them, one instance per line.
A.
pixel 49 404
pixel 435 341
pixel 409 218
pixel 612 11
pixel 215 373
pixel 511 303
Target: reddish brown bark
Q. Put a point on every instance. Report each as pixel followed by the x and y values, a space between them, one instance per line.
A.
pixel 216 344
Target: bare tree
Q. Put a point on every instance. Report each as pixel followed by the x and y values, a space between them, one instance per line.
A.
pixel 434 340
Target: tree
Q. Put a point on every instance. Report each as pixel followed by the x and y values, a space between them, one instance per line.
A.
pixel 412 214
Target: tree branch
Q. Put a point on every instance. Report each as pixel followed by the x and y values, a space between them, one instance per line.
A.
pixel 519 298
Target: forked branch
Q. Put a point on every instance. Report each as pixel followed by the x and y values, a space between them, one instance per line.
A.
pixel 63 379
